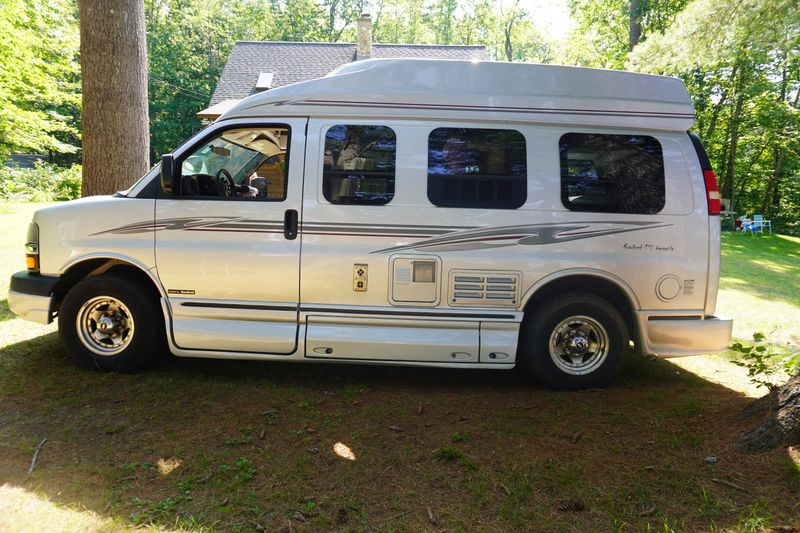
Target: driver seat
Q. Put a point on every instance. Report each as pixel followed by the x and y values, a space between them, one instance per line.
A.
pixel 189 186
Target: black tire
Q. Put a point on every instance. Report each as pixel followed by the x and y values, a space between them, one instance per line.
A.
pixel 567 318
pixel 145 338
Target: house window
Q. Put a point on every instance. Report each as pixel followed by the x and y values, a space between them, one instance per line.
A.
pixel 612 173
pixel 359 165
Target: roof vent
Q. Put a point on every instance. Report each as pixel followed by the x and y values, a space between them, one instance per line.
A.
pixel 264 81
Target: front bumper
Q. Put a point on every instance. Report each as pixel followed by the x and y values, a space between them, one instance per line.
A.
pixel 676 335
pixel 30 296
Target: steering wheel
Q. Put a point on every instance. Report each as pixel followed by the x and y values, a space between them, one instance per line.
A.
pixel 227 187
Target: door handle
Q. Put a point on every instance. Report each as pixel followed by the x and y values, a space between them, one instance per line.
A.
pixel 290 224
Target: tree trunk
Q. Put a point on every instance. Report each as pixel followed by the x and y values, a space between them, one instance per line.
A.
pixel 730 164
pixel 507 44
pixel 634 25
pixel 772 185
pixel 780 153
pixel 781 426
pixel 116 140
pixel 712 126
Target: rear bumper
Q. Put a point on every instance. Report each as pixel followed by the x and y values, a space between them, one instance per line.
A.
pixel 30 295
pixel 676 335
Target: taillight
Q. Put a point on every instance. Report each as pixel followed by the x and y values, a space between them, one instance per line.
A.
pixel 712 191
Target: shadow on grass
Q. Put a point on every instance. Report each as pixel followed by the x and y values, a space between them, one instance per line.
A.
pixel 238 445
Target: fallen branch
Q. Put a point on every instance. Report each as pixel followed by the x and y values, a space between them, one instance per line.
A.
pixel 36 453
pixel 727 483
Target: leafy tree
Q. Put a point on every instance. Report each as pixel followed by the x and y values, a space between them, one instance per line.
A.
pixel 741 62
pixel 442 19
pixel 39 77
pixel 606 30
pixel 188 45
pixel 341 14
pixel 521 40
pixel 400 21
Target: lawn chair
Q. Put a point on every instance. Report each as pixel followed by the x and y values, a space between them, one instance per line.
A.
pixel 759 224
pixel 746 225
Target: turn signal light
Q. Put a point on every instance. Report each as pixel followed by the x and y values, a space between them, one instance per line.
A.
pixel 32 262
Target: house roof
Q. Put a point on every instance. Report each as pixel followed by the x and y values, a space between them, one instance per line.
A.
pixel 295 62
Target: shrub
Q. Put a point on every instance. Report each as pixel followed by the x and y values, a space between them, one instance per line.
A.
pixel 44 182
pixel 767 364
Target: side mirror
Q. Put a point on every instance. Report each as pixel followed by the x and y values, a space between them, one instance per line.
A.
pixel 168 174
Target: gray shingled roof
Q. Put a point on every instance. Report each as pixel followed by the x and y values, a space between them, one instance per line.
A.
pixel 294 62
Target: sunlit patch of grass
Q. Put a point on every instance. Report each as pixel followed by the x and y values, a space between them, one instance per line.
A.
pixel 24 511
pixel 760 285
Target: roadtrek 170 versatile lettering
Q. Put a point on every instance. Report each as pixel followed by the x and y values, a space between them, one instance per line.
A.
pixel 407 212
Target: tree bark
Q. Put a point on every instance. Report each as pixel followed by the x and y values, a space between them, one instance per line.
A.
pixel 772 184
pixel 781 424
pixel 634 25
pixel 780 152
pixel 116 139
pixel 712 126
pixel 730 164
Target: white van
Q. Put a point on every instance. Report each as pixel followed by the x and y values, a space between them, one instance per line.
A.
pixel 406 212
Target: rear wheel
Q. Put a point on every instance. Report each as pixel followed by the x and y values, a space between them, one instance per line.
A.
pixel 111 323
pixel 574 341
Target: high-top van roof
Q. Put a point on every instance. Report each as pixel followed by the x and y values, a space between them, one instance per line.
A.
pixel 481 91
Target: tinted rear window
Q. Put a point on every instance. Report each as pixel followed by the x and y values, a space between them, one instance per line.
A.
pixel 477 167
pixel 359 165
pixel 612 173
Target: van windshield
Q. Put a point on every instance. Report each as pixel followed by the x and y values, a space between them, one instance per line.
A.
pixel 221 153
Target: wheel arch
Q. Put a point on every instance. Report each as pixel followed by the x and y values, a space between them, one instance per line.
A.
pixel 81 268
pixel 597 282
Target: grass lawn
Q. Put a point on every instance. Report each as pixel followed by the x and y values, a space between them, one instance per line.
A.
pixel 242 446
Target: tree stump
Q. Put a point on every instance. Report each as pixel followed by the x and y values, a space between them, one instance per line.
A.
pixel 780 425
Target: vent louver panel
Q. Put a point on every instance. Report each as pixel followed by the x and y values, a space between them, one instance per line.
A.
pixel 484 289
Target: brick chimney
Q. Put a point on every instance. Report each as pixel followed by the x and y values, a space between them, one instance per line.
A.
pixel 364 31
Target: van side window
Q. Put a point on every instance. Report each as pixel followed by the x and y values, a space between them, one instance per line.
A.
pixel 359 164
pixel 612 173
pixel 240 163
pixel 475 167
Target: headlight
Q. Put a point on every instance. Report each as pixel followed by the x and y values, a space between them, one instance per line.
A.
pixel 32 248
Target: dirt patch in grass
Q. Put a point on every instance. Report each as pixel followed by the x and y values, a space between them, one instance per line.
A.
pixel 237 446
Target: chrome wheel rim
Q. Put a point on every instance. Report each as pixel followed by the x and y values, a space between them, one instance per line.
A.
pixel 578 345
pixel 105 325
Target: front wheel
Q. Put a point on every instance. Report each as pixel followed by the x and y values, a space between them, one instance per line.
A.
pixel 111 323
pixel 574 341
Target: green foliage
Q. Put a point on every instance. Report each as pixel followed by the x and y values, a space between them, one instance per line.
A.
pixel 461 436
pixel 44 182
pixel 740 60
pixel 244 471
pixel 767 364
pixel 757 520
pixel 39 88
pixel 601 35
pixel 448 454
